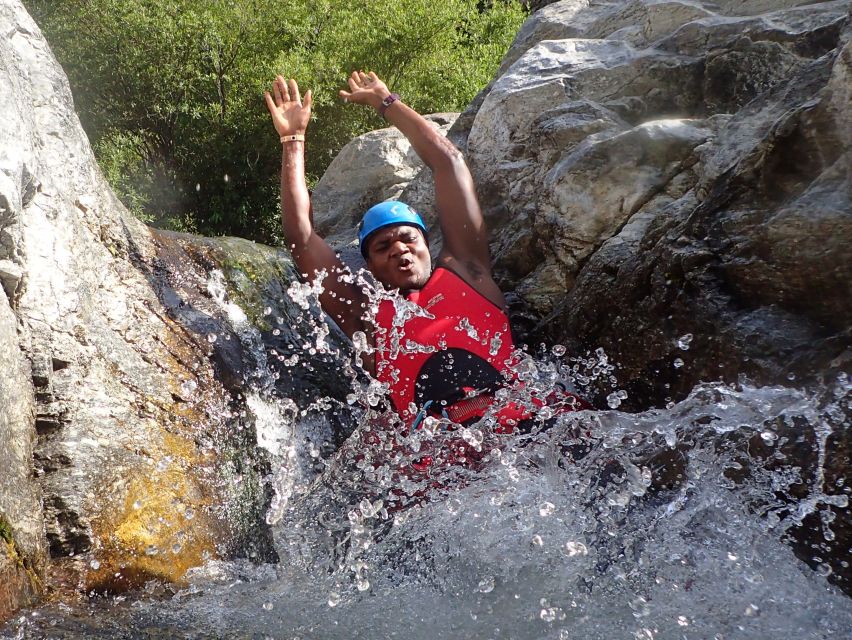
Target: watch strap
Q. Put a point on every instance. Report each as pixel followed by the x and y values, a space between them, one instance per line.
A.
pixel 388 101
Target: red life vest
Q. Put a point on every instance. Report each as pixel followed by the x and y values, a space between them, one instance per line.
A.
pixel 453 343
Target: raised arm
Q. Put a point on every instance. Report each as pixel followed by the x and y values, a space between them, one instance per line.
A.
pixel 342 301
pixel 465 247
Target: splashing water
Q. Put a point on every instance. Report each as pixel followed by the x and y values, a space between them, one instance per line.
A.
pixel 667 524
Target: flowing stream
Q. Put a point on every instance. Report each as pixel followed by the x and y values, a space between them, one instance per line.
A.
pixel 675 523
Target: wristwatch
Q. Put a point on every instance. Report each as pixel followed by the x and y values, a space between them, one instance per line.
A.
pixel 388 102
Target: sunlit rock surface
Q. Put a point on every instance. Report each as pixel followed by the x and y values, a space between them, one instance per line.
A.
pixel 127 367
pixel 22 542
pixel 657 169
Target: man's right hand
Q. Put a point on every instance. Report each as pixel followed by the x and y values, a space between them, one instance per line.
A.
pixel 290 114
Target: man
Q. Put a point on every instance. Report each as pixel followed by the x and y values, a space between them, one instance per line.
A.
pixel 449 357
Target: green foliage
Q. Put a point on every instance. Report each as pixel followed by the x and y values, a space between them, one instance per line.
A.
pixel 5 531
pixel 171 91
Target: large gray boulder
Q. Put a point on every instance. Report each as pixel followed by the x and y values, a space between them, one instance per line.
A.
pixel 130 400
pixel 614 121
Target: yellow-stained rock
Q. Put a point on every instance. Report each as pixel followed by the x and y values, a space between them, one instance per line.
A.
pixel 165 524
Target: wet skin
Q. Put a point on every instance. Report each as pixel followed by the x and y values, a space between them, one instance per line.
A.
pixel 399 258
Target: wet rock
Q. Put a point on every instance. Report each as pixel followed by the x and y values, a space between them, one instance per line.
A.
pixel 756 271
pixel 127 369
pixel 22 541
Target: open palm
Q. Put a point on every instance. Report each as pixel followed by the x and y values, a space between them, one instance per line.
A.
pixel 365 88
pixel 290 114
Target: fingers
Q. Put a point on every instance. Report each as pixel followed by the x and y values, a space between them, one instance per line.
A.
pixel 283 88
pixel 276 91
pixel 309 99
pixel 294 92
pixel 270 103
pixel 284 91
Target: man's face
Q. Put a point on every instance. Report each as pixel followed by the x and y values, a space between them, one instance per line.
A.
pixel 399 258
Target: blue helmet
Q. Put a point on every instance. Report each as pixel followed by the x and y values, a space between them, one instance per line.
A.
pixel 386 214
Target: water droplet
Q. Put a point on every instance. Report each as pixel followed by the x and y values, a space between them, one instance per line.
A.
pixel 267 311
pixel 137 505
pixel 362 584
pixel 751 610
pixel 558 350
pixel 226 178
pixel 548 614
pixel 640 607
pixel 683 341
pixel 188 387
pixel 613 401
pixel 574 548
pixel 494 346
pixel 333 599
pixel 94 564
pixel 198 186
pixel 768 437
pixel 268 606
pixel 188 513
pixel 537 541
pixel 683 621
pixel 678 363
pixel 211 338
pixel 546 509
pixel 486 585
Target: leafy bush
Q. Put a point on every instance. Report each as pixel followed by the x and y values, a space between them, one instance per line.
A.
pixel 171 91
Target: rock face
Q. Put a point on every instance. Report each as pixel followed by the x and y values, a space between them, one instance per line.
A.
pixel 129 377
pixel 688 162
pixel 658 169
